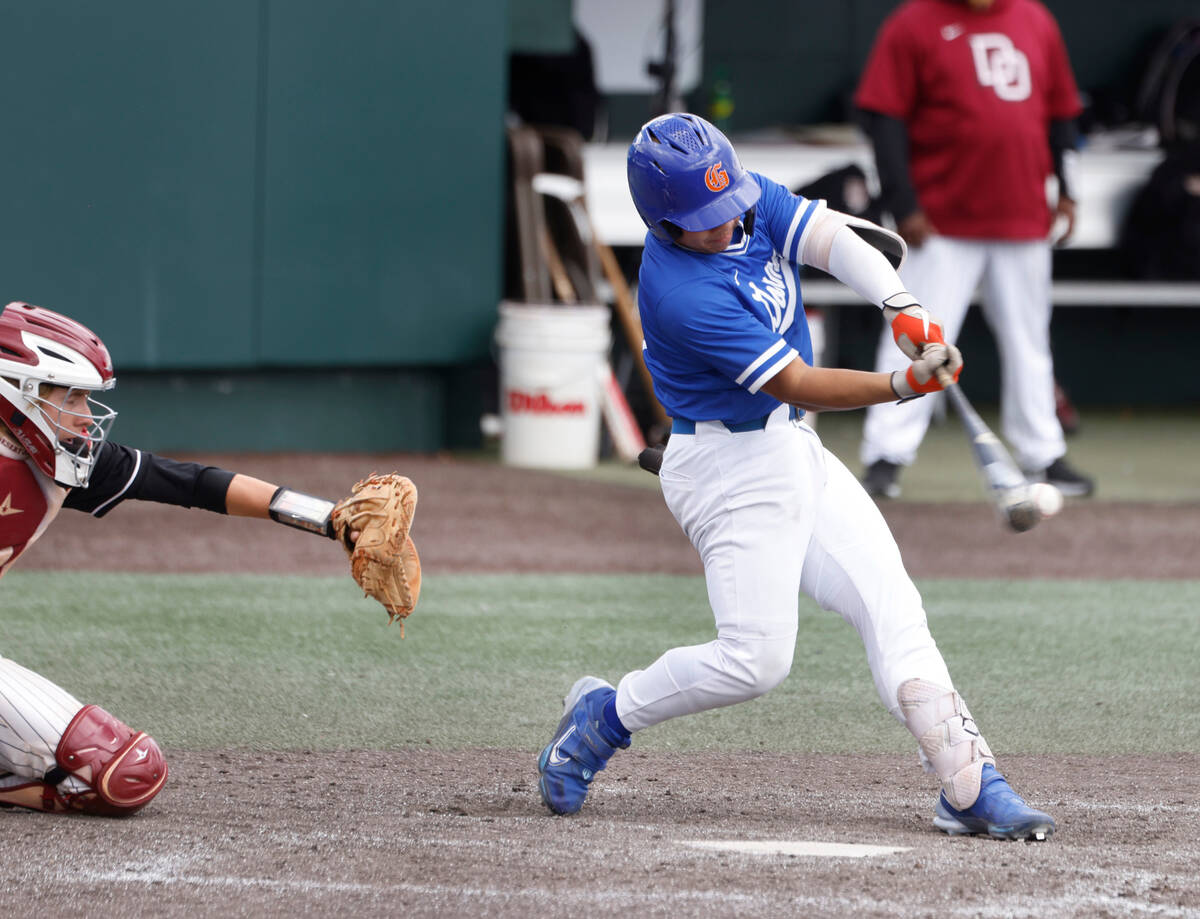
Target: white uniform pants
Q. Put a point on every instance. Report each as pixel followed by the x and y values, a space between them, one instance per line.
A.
pixel 1015 277
pixel 34 712
pixel 773 513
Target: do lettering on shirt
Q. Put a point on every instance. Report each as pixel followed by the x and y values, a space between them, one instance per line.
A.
pixel 1000 65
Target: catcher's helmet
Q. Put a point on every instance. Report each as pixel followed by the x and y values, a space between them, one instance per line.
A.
pixel 40 346
pixel 684 174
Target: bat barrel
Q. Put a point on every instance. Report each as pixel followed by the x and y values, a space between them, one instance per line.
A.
pixel 1004 481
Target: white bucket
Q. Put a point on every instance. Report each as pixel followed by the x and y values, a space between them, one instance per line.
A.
pixel 550 361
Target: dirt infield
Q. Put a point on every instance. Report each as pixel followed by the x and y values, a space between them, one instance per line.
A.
pixel 480 516
pixel 463 834
pixel 430 833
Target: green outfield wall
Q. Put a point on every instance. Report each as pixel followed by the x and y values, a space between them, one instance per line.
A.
pixel 258 191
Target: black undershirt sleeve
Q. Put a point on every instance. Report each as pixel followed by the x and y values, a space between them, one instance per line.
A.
pixel 123 472
pixel 1063 136
pixel 889 139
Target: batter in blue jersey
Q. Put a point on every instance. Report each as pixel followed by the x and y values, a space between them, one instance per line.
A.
pixel 770 510
pixel 719 326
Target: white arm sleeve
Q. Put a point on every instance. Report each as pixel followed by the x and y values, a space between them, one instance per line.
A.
pixel 855 251
pixel 866 271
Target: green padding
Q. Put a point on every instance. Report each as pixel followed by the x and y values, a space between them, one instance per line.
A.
pixel 540 27
pixel 253 183
pixel 128 179
pixel 380 410
pixel 383 178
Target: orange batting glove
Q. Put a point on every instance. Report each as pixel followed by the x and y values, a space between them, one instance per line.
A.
pixel 913 327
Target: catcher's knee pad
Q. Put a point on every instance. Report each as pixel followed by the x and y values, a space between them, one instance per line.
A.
pixel 948 737
pixel 122 768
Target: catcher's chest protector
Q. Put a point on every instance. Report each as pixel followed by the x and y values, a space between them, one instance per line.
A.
pixel 24 507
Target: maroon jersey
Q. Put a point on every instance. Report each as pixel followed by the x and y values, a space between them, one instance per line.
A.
pixel 977 91
pixel 29 500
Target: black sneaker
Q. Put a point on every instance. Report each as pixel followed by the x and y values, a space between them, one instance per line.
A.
pixel 1070 482
pixel 880 480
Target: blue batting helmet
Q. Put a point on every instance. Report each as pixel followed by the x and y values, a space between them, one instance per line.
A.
pixel 684 173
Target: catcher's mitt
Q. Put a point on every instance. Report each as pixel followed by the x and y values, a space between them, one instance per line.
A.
pixel 383 559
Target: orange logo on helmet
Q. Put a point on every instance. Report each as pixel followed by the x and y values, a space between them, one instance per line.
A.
pixel 716 178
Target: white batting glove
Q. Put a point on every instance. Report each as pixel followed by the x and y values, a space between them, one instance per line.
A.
pixel 921 377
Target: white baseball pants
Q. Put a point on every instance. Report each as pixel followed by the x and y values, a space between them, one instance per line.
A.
pixel 34 712
pixel 943 274
pixel 772 513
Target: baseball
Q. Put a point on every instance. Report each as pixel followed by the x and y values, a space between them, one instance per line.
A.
pixel 1047 498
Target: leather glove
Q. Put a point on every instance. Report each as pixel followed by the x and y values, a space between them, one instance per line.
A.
pixel 383 558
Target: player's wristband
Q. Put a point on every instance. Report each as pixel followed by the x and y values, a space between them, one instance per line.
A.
pixel 904 392
pixel 304 512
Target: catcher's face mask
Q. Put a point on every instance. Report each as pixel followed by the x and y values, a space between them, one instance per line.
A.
pixel 49 364
pixel 80 425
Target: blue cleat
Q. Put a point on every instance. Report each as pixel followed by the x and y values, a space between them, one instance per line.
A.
pixel 998 812
pixel 582 745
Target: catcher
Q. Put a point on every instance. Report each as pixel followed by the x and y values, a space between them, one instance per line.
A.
pixel 57 754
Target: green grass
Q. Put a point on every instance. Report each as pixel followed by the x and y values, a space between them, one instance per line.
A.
pixel 1134 454
pixel 306 663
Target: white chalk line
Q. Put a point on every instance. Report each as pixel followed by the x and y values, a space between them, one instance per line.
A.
pixel 167 872
pixel 1078 897
pixel 1003 907
pixel 793 847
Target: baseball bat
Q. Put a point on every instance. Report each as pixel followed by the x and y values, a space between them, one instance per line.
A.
pixel 563 288
pixel 618 417
pixel 651 459
pixel 570 191
pixel 1005 484
pixel 631 324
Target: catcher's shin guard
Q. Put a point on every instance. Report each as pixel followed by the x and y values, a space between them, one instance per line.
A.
pixel 123 769
pixel 948 737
